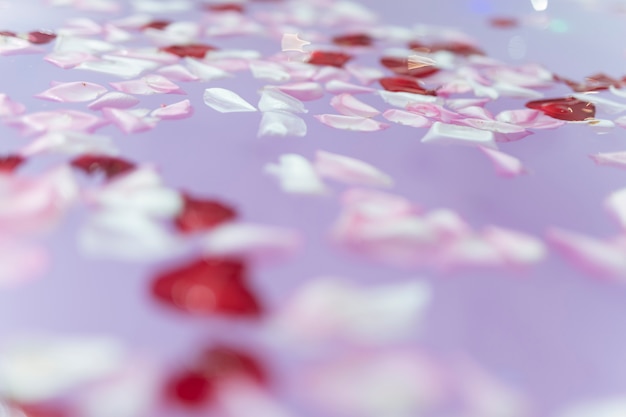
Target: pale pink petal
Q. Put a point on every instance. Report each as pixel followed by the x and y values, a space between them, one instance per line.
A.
pixel 506 165
pixel 526 77
pixel 530 119
pixel 134 21
pixel 350 170
pixel 374 203
pixel 10 45
pixel 461 103
pixel 226 101
pixel 598 257
pixel 476 112
pixel 161 84
pixel 157 6
pixel 20 263
pixel 118 66
pixel 299 71
pixel 603 104
pixel 180 110
pixel 114 34
pixel 279 123
pixel 176 33
pixel 504 132
pixel 516 248
pixel 269 71
pixel 328 73
pixel 145 56
pixel 365 75
pixel 57 120
pixel 204 71
pixel 447 134
pixel 9 108
pixel 84 45
pixel 178 73
pixel 297 175
pixel 101 6
pixel 80 26
pixel 406 118
pixel 616 206
pixel 114 100
pixel 511 90
pixel 355 123
pixel 614 159
pixel 70 143
pixel 434 111
pixel 305 91
pixel 621 121
pixel 468 252
pixel 402 99
pixel 69 59
pixel 275 100
pixel 241 398
pixel 348 105
pixel 340 87
pixel 128 121
pixel 449 225
pixel 240 239
pixel 73 92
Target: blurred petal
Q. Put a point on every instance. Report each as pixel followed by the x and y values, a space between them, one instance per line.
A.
pixel 114 100
pixel 296 175
pixel 506 165
pixel 355 123
pixel 350 106
pixel 447 134
pixel 226 101
pixel 406 118
pixel 279 123
pixel 350 170
pixel 275 100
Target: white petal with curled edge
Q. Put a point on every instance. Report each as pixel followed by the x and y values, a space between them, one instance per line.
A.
pixel 365 75
pixel 614 159
pixel 39 368
pixel 69 59
pixel 128 121
pixel 608 407
pixel 348 105
pixel 204 71
pixel 601 126
pixel 530 119
pixel 280 123
pixel 114 100
pixel 128 235
pixel 226 101
pixel 406 118
pixel 305 91
pixel 595 256
pixel 402 99
pixel 608 106
pixel 180 110
pixel 241 239
pixel 349 170
pixel 340 87
pixel 506 165
pixel 515 247
pixel 20 263
pixel 269 71
pixel 355 123
pixel 616 205
pixel 9 107
pixel 447 134
pixel 178 73
pixel 275 100
pixel 296 175
pixel 70 143
pixel 73 92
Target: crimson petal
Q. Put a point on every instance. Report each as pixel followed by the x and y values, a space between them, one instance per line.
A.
pixel 401 67
pixel 334 59
pixel 567 108
pixel 193 50
pixel 405 84
pixel 358 39
pixel 10 163
pixel 41 37
pixel 191 389
pixel 221 362
pixel 109 165
pixel 198 214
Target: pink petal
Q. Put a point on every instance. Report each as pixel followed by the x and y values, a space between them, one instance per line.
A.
pixel 178 73
pixel 80 27
pixel 146 57
pixel 365 75
pixel 373 203
pixel 242 398
pixel 516 248
pixel 297 175
pixel 269 71
pixel 447 134
pixel 328 73
pixel 530 119
pixel 84 45
pixel 476 112
pixel 69 59
pixel 434 111
pixel 226 101
pixel 510 90
pixel 275 100
pixel 150 84
pixel 237 239
pixel 355 123
pixel 504 132
pixel 204 71
pixel 461 103
pixel 128 121
pixel 621 121
pixel 180 110
pixel 340 87
pixel 70 143
pixel 614 159
pixel 595 256
pixel 279 123
pixel 57 120
pixel 506 165
pixel 9 107
pixel 350 106
pixel 402 100
pixel 305 91
pixel 118 66
pixel 73 92
pixel 406 118
pixel 10 45
pixel 350 170
pixel 114 100
pixel 20 263
pixel 468 252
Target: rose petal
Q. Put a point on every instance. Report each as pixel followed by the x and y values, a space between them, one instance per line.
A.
pixel 402 99
pixel 615 159
pixel 506 165
pixel 350 170
pixel 515 247
pixel 119 66
pixel 57 120
pixel 305 91
pixel 73 92
pixel 226 101
pixel 178 73
pixel 128 121
pixel 205 72
pixel 151 84
pixel 180 110
pixel 406 118
pixel 340 87
pixel 275 100
pixel 365 75
pixel 350 106
pixel 70 143
pixel 69 59
pixel 278 123
pixel 608 106
pixel 447 134
pixel 9 107
pixel 355 123
pixel 269 71
pixel 297 175
pixel 530 119
pixel 114 100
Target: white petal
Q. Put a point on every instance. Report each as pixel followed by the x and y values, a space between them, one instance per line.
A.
pixel 275 100
pixel 115 100
pixel 355 123
pixel 226 101
pixel 304 91
pixel 406 118
pixel 505 165
pixel 402 99
pixel 608 106
pixel 601 126
pixel 238 239
pixel 516 248
pixel 616 205
pixel 69 59
pixel 447 134
pixel 350 170
pixel 204 71
pixel 269 71
pixel 296 175
pixel 614 159
pixel 340 87
pixel 350 106
pixel 121 67
pixel 278 123
pixel 70 143
pixel 177 72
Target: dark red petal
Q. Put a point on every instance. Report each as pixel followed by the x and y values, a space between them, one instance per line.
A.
pixel 207 287
pixel 358 39
pixel 334 59
pixel 503 22
pixel 191 389
pixel 567 108
pixel 41 37
pixel 156 24
pixel 10 163
pixel 226 7
pixel 198 214
pixel 194 50
pixel 594 82
pixel 401 67
pixel 418 45
pixel 405 84
pixel 457 48
pixel 222 362
pixel 109 165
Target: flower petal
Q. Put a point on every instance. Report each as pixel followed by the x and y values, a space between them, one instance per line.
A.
pixel 614 159
pixel 305 91
pixel 406 118
pixel 70 143
pixel 226 101
pixel 180 110
pixel 273 99
pixel 297 175
pixel 114 100
pixel 128 121
pixel 350 170
pixel 447 134
pixel 355 123
pixel 506 165
pixel 280 123
pixel 73 92
pixel 340 87
pixel 350 106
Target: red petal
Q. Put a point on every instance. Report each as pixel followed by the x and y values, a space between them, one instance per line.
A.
pixel 418 46
pixel 206 287
pixel 335 59
pixel 567 108
pixel 41 37
pixel 358 39
pixel 191 389
pixel 7 33
pixel 10 163
pixel 222 362
pixel 457 48
pixel 156 24
pixel 401 67
pixel 194 50
pixel 504 22
pixel 198 214
pixel 109 165
pixel 405 84
pixel 226 7
pixel 594 82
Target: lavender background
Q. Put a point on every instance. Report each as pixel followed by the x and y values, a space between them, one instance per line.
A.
pixel 551 331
